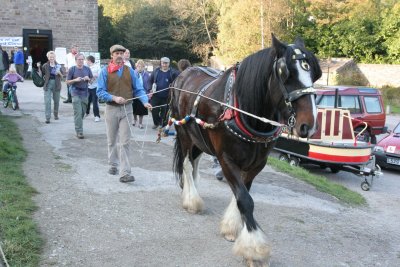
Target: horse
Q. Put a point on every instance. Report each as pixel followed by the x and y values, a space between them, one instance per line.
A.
pixel 237 116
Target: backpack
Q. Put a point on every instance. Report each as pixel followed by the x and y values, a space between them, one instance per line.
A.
pixel 37 79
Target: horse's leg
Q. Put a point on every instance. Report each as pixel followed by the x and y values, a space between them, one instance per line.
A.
pixel 251 242
pixel 231 223
pixel 250 239
pixel 191 199
pixel 196 156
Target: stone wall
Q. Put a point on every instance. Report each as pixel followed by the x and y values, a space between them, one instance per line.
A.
pixel 381 74
pixel 71 21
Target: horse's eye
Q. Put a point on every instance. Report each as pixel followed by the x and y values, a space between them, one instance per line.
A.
pixel 305 65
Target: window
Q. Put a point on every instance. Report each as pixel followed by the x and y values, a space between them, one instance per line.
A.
pixel 350 102
pixel 372 104
pixel 327 101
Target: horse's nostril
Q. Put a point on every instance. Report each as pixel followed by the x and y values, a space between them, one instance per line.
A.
pixel 304 128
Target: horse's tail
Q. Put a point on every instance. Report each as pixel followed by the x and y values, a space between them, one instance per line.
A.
pixel 178 161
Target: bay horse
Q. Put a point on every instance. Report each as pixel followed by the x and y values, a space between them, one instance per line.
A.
pixel 275 83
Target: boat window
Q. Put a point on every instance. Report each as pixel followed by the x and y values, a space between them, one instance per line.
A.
pixel 372 104
pixel 350 102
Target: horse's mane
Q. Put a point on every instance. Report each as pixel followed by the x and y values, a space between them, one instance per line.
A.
pixel 252 85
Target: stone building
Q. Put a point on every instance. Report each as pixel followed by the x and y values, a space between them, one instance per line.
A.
pixel 44 25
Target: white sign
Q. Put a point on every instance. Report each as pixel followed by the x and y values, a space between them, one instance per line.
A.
pixel 11 41
pixel 61 55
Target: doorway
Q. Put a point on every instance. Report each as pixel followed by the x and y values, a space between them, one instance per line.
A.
pixel 36 44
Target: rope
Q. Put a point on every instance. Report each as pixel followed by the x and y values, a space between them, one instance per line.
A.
pixel 3 256
pixel 265 120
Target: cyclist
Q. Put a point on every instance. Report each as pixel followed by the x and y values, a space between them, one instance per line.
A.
pixel 12 77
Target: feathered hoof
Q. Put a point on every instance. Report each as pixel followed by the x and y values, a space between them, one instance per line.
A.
pixel 193 205
pixel 253 247
pixel 229 237
pixel 254 263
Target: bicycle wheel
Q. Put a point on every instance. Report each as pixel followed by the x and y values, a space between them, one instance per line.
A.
pixel 13 100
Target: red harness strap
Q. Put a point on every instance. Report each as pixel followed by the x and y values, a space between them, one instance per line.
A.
pixel 238 121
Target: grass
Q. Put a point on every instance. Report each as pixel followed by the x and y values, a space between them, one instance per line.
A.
pixel 19 235
pixel 319 182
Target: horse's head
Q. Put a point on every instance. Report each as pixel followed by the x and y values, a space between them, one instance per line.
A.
pixel 296 69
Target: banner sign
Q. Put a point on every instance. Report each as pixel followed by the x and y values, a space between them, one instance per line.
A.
pixel 11 41
pixel 61 55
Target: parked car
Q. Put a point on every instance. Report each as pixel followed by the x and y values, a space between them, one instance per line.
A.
pixel 365 105
pixel 387 151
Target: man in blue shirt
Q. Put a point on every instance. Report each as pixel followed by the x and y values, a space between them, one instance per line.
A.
pixel 161 78
pixel 117 85
pixel 19 61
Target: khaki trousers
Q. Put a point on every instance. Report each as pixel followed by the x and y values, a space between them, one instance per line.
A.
pixel 118 136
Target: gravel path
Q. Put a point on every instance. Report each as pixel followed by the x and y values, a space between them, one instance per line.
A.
pixel 89 218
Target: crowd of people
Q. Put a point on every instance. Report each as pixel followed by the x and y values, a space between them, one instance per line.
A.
pixel 126 87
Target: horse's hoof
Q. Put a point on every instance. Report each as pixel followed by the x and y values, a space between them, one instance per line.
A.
pixel 230 237
pixel 254 263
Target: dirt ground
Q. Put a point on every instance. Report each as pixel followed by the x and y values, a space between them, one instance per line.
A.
pixel 88 218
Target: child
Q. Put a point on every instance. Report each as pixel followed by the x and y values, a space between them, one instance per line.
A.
pixel 12 77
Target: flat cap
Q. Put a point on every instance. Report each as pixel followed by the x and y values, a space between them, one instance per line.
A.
pixel 165 59
pixel 116 48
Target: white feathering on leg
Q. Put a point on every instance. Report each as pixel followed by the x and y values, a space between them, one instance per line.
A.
pixel 191 200
pixel 231 222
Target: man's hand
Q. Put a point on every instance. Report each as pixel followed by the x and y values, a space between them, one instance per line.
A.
pixel 119 100
pixel 148 106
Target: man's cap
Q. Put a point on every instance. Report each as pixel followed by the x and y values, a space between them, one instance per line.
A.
pixel 116 48
pixel 165 59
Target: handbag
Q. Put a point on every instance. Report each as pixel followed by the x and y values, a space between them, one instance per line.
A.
pixel 37 79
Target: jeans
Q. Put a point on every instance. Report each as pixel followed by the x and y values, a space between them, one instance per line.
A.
pixel 48 94
pixel 93 99
pixel 79 103
pixel 118 136
pixel 2 73
pixel 159 114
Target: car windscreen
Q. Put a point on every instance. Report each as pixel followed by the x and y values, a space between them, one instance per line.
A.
pixel 372 104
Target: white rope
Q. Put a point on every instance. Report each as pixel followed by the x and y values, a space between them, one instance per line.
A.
pixel 3 256
pixel 141 147
pixel 265 120
pixel 234 108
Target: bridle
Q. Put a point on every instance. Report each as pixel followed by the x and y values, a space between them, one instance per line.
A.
pixel 289 97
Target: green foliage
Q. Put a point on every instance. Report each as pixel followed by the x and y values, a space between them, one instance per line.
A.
pixel 108 35
pixel 365 30
pixel 319 182
pixel 391 96
pixel 19 235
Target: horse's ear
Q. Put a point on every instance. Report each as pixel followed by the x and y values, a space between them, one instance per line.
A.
pixel 279 47
pixel 299 42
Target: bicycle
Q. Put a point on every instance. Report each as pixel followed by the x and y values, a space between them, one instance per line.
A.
pixel 11 96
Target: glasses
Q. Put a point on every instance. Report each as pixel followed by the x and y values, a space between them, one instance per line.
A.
pixel 80 59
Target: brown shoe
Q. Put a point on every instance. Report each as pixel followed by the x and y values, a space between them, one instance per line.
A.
pixel 127 178
pixel 113 171
pixel 80 135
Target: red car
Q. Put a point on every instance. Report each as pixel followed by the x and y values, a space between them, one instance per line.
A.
pixel 365 105
pixel 387 151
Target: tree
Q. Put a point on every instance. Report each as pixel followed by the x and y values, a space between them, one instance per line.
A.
pixel 148 32
pixel 390 32
pixel 108 36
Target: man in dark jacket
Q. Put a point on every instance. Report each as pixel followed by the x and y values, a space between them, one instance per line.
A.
pixel 4 65
pixel 160 79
